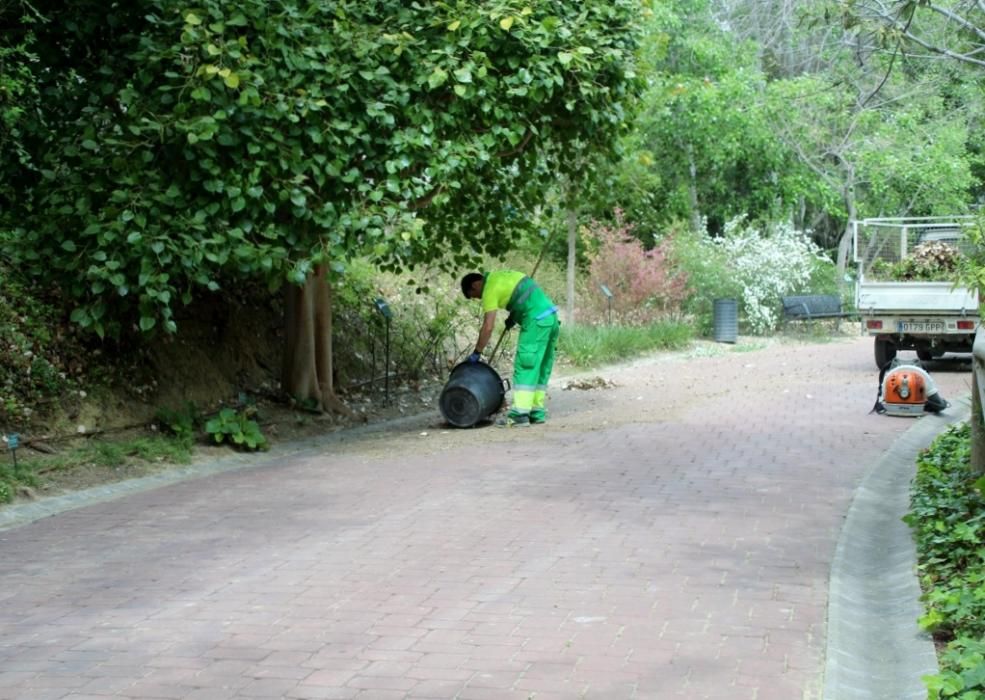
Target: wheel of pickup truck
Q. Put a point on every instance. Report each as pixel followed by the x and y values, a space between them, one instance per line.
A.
pixel 927 355
pixel 885 351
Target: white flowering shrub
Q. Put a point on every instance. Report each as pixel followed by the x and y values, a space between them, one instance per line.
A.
pixel 768 264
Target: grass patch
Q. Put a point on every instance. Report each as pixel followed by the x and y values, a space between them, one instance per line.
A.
pixel 95 462
pixel 591 346
pixel 750 346
pixel 818 330
pixel 947 515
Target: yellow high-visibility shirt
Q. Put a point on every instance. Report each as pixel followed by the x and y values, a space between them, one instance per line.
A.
pixel 498 289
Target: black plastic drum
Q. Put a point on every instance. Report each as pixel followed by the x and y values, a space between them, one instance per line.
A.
pixel 473 392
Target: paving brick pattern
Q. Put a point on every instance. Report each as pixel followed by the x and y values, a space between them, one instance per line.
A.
pixel 667 538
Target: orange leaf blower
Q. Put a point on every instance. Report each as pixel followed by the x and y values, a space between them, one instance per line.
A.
pixel 906 389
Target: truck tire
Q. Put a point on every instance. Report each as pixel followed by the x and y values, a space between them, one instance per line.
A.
pixel 885 351
pixel 925 355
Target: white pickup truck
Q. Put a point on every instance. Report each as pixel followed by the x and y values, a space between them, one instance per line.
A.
pixel 931 317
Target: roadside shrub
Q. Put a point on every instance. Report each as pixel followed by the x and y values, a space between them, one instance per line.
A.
pixel 947 515
pixel 436 326
pixel 183 423
pixel 709 276
pixel 756 265
pixel 39 362
pixel 237 428
pixel 645 285
pixel 427 318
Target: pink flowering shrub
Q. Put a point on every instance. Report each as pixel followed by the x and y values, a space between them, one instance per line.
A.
pixel 645 284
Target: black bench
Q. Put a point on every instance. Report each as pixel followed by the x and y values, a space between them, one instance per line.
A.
pixel 808 307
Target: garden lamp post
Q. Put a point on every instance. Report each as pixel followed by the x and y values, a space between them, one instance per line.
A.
pixel 387 314
pixel 608 298
pixel 13 441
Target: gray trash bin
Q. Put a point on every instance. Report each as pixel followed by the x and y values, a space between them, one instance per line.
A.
pixel 726 320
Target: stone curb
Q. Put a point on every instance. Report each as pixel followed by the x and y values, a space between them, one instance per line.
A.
pixel 875 648
pixel 13 516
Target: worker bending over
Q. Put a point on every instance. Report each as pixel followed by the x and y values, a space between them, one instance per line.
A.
pixel 531 309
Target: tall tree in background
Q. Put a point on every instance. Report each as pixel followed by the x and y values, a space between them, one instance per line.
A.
pixel 194 146
pixel 702 148
pixel 947 36
pixel 871 140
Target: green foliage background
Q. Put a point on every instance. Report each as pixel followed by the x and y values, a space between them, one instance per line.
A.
pixel 948 519
pixel 180 148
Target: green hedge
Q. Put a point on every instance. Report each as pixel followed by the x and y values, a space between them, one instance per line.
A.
pixel 948 520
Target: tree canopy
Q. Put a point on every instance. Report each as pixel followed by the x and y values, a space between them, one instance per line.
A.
pixel 791 110
pixel 181 147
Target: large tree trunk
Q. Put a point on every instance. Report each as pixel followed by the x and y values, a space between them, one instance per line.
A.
pixel 307 371
pixel 572 242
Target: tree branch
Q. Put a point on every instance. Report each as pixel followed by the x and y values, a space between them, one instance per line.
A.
pixel 958 19
pixel 964 58
pixel 425 201
pixel 519 148
pixel 888 18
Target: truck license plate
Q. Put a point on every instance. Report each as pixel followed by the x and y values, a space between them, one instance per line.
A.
pixel 921 327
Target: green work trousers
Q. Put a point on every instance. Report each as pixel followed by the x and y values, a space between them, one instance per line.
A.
pixel 534 362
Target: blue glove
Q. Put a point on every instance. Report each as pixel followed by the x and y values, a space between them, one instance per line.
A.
pixel 474 357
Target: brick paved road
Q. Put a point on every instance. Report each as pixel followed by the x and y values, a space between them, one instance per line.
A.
pixel 668 538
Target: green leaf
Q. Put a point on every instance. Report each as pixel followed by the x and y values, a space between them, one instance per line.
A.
pixel 979 485
pixel 231 81
pixel 80 316
pixel 192 19
pixel 147 322
pixel 437 78
pixel 90 144
pixel 506 23
pixel 564 57
pixel 454 25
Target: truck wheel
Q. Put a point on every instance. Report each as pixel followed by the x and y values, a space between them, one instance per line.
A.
pixel 925 355
pixel 885 351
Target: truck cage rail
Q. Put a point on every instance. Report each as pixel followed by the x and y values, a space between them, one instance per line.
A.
pixel 890 238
